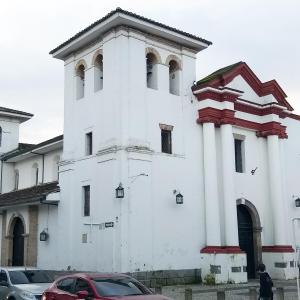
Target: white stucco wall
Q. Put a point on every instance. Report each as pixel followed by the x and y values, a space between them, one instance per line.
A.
pixel 151 231
pixel 47 172
pixel 10 134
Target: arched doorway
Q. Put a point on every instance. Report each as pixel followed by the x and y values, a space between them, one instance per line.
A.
pixel 249 229
pixel 18 243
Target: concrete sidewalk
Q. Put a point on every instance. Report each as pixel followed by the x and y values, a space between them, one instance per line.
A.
pixel 201 292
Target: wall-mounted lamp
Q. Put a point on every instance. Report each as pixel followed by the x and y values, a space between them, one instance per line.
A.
pixel 179 197
pixel 44 235
pixel 297 200
pixel 253 171
pixel 120 191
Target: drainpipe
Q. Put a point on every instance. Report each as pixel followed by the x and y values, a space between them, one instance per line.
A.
pixel 1 172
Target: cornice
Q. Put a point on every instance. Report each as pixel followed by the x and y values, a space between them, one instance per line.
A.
pixel 227 116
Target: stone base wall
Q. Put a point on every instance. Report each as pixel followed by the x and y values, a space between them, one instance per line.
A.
pixel 224 268
pixel 154 279
pixel 281 265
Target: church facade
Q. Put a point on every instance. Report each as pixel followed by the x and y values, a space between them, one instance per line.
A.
pixel 155 170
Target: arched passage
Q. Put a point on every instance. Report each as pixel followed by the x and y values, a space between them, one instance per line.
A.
pixel 249 228
pixel 18 242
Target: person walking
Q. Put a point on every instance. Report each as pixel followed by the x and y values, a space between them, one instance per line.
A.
pixel 266 283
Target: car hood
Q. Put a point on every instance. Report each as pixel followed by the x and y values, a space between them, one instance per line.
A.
pixel 34 288
pixel 141 297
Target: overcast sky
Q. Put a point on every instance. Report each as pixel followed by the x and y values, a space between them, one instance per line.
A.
pixel 264 33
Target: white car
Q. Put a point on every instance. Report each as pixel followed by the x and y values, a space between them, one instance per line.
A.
pixel 20 283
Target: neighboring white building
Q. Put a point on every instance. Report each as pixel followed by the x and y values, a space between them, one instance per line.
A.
pixel 136 118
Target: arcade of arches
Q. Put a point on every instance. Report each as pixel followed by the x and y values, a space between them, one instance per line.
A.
pixel 19 242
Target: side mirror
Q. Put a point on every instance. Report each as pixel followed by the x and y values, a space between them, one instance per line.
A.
pixel 4 283
pixel 82 294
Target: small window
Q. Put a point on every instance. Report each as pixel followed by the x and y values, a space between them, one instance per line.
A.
pixel 98 73
pixel 89 143
pixel 86 201
pixel 151 71
pixel 16 179
pixel 166 141
pixel 66 285
pixel 80 81
pixel 174 77
pixel 35 174
pixel 239 155
pixel 0 136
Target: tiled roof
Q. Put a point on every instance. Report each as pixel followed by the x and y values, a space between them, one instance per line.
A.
pixel 29 195
pixel 24 148
pixel 13 111
pixel 218 73
pixel 130 14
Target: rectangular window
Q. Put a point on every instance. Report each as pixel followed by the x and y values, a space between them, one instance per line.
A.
pixel 86 201
pixel 89 143
pixel 166 141
pixel 239 157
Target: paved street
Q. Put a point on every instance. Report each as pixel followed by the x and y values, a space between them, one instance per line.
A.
pixel 177 292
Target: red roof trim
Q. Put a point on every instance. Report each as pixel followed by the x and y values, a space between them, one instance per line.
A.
pixel 262 89
pixel 227 116
pixel 221 250
pixel 217 96
pixel 278 249
pixel 258 111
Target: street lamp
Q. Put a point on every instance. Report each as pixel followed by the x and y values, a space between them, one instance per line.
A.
pixel 120 191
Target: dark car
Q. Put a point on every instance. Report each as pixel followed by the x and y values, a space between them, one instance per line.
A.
pixel 99 286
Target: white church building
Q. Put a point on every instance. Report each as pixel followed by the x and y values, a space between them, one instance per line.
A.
pixel 156 174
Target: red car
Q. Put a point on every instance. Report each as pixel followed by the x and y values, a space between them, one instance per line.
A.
pixel 99 286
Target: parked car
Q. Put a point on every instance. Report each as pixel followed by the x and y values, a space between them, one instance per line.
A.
pixel 99 286
pixel 20 283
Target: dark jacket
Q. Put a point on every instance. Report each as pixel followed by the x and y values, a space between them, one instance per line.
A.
pixel 266 285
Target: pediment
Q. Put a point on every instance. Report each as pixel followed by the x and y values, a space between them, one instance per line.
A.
pixel 240 77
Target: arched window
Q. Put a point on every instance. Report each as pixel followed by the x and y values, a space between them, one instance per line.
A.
pixel 174 77
pixel 151 70
pixel 16 179
pixel 98 73
pixel 80 81
pixel 35 174
pixel 0 136
pixel 56 168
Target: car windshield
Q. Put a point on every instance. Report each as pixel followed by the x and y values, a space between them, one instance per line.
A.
pixel 29 276
pixel 122 286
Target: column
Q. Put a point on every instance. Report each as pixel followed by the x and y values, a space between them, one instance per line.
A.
pixel 212 215
pixel 276 194
pixel 228 162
